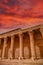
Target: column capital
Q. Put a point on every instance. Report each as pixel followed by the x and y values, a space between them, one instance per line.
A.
pixel 31 32
pixel 5 38
pixel 12 36
pixel 20 35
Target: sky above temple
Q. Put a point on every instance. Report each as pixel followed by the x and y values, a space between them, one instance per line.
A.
pixel 20 14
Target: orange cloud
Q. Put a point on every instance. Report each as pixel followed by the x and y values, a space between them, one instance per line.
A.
pixel 8 22
pixel 20 13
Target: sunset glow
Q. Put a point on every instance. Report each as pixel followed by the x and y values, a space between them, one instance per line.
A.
pixel 20 13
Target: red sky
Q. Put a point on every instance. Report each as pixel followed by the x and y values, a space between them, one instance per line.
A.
pixel 20 13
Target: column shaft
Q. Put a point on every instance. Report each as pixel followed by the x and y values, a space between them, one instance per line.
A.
pixel 21 46
pixel 4 46
pixel 32 45
pixel 11 48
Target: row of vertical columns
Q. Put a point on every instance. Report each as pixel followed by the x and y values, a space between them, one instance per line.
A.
pixel 11 47
pixel 32 46
pixel 21 46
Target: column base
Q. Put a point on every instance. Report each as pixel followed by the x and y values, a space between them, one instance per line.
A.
pixel 33 58
pixel 10 58
pixel 2 58
pixel 38 57
pixel 20 58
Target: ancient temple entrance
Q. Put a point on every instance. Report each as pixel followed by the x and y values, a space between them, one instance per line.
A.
pixel 16 47
pixel 38 43
pixel 26 46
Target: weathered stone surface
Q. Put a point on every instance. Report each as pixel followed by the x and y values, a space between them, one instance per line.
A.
pixel 22 49
pixel 23 62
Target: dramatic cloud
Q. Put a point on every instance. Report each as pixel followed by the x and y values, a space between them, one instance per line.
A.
pixel 22 8
pixel 17 13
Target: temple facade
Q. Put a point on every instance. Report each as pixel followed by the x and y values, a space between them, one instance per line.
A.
pixel 22 43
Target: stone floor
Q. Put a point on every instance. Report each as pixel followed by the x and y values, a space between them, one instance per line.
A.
pixel 21 62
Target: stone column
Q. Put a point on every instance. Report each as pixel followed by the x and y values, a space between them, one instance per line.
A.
pixel 11 48
pixel 32 45
pixel 21 46
pixel 4 46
